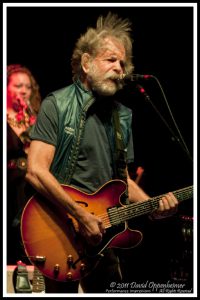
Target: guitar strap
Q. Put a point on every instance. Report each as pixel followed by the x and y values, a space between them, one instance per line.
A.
pixel 120 156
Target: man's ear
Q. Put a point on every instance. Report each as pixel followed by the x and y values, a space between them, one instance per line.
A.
pixel 85 59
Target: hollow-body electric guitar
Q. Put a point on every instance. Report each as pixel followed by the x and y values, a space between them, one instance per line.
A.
pixel 53 243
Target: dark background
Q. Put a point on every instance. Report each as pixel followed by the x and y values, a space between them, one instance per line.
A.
pixel 43 38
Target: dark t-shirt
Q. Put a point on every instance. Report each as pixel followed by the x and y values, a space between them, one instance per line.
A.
pixel 94 164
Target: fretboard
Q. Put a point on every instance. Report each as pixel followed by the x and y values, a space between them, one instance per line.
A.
pixel 121 214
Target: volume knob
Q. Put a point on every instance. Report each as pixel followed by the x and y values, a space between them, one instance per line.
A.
pixel 56 269
pixel 82 267
pixel 69 275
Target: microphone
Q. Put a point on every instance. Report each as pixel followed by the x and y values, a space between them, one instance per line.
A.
pixel 135 77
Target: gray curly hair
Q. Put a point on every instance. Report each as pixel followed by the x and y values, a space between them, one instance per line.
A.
pixel 92 40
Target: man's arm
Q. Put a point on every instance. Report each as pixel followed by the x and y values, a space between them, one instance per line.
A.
pixel 39 176
pixel 167 205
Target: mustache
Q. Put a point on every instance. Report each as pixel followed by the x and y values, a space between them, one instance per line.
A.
pixel 117 78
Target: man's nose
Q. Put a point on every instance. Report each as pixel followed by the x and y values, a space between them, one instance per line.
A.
pixel 118 68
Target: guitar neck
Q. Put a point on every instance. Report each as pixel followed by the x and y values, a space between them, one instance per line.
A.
pixel 121 214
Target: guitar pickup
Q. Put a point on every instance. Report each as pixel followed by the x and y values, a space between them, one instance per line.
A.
pixel 38 258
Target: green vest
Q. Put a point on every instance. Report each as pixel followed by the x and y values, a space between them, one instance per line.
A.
pixel 72 103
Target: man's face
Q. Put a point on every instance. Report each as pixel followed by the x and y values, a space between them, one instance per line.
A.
pixel 107 67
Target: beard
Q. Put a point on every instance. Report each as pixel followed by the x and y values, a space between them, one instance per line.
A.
pixel 106 85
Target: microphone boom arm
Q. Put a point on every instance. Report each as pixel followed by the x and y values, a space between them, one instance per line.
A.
pixel 180 141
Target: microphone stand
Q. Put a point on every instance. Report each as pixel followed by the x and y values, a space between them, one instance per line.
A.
pixel 180 140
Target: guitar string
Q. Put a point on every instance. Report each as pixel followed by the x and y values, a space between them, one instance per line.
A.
pixel 124 213
pixel 140 208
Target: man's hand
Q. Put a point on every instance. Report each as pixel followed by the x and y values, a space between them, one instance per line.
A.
pixel 92 228
pixel 167 207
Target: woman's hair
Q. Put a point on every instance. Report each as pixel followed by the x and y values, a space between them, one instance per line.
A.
pixel 93 39
pixel 35 99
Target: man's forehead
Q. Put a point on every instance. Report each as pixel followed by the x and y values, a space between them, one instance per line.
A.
pixel 111 46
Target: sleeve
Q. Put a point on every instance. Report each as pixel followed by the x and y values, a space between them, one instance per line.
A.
pixel 46 126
